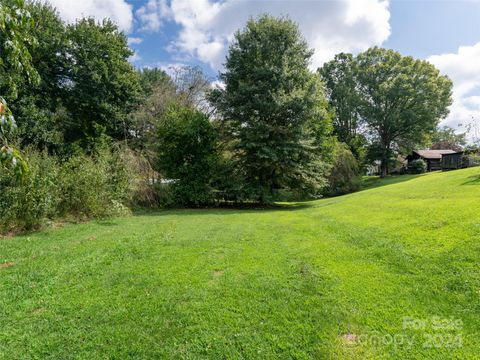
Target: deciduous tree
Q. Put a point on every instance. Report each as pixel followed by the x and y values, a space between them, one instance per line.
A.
pixel 103 86
pixel 446 138
pixel 400 98
pixel 15 64
pixel 187 154
pixel 338 76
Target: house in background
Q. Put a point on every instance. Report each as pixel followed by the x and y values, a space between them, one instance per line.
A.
pixel 460 160
pixel 433 158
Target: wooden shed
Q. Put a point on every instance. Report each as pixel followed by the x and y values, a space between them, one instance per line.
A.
pixel 433 158
pixel 460 160
pixel 454 161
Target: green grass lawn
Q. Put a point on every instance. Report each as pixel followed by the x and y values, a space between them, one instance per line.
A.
pixel 333 278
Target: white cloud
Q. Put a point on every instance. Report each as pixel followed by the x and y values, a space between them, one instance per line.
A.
pixel 463 67
pixel 134 57
pixel 218 84
pixel 117 10
pixel 134 41
pixel 330 27
pixel 152 14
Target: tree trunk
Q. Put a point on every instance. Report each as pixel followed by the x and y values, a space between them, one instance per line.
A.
pixel 384 168
pixel 384 164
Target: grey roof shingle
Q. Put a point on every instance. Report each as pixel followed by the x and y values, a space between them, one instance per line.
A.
pixel 433 154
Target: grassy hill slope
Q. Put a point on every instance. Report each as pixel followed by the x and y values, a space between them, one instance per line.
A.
pixel 334 278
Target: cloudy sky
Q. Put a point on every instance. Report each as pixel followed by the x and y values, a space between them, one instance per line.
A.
pixel 164 33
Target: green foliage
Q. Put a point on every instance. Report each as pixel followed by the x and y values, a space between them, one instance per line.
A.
pixel 28 204
pixel 82 187
pixel 418 166
pixel 150 79
pixel 375 151
pixel 186 86
pixel 187 155
pixel 446 138
pixel 401 99
pixel 394 100
pixel 273 110
pixel 16 67
pixel 345 175
pixel 39 107
pixel 159 93
pixel 87 186
pixel 85 87
pixel 338 76
pixel 10 157
pixel 38 126
pixel 104 85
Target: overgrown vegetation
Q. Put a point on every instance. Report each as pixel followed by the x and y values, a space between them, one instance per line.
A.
pixel 345 173
pixel 187 155
pixel 274 131
pixel 78 188
pixel 85 135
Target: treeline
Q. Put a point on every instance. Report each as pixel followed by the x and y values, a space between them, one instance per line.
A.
pixel 95 136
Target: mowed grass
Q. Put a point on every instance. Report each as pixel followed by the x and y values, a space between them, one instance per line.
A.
pixel 328 279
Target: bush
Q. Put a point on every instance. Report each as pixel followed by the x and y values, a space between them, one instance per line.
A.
pixel 27 204
pixel 81 187
pixel 187 156
pixel 345 174
pixel 417 166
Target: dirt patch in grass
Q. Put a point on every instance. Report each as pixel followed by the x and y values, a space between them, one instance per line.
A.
pixel 7 264
pixel 39 311
pixel 218 273
pixel 349 339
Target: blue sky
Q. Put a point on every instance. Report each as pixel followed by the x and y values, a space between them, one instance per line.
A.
pixel 167 33
pixel 424 28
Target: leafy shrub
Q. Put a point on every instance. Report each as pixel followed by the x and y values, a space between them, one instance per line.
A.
pixel 94 186
pixel 27 204
pixel 187 155
pixel 81 187
pixel 418 166
pixel 345 174
pixel 163 195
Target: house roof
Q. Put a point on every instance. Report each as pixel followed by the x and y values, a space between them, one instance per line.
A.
pixel 433 154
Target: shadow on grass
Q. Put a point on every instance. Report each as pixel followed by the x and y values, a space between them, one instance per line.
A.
pixel 228 210
pixel 232 209
pixel 372 182
pixel 472 180
pixel 106 222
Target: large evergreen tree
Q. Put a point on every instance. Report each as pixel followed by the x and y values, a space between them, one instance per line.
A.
pixel 274 109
